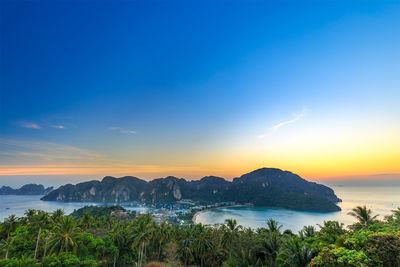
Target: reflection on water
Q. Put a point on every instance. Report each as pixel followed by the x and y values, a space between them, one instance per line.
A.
pixel 380 199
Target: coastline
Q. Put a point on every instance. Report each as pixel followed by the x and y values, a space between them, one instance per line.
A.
pixel 207 209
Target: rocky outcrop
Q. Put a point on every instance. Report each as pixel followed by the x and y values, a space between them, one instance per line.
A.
pixel 110 189
pixel 28 189
pixel 267 187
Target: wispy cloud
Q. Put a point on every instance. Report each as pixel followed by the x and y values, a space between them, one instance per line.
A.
pixel 19 157
pixel 122 130
pixel 296 117
pixel 38 157
pixel 58 126
pixel 275 128
pixel 29 125
pixel 37 126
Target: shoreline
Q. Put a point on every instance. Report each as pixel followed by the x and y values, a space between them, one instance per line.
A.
pixel 212 208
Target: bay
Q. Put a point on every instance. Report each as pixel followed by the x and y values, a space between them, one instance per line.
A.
pixel 18 204
pixel 380 199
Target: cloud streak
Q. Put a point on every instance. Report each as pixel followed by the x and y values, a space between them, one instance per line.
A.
pixel 276 127
pixel 28 152
pixel 296 117
pixel 37 126
pixel 122 130
pixel 29 125
pixel 18 157
pixel 57 126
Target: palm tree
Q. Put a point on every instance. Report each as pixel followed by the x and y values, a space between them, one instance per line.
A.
pixel 45 246
pixel 363 215
pixel 118 238
pixel 29 213
pixel 396 214
pixel 87 221
pixel 295 253
pixel 307 231
pixel 10 224
pixel 232 225
pixel 106 222
pixel 40 220
pixel 270 245
pixel 216 253
pixel 273 226
pixel 202 242
pixel 64 236
pixel 162 233
pixel 142 232
pixel 288 233
pixel 247 248
pixel 230 231
pixel 185 244
pixel 57 214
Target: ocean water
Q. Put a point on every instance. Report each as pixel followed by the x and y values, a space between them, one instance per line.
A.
pixel 12 204
pixel 380 199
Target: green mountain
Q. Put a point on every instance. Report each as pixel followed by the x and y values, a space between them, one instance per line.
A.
pixel 28 189
pixel 266 187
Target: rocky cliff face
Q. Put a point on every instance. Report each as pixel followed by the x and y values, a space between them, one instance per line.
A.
pixel 28 189
pixel 110 189
pixel 263 187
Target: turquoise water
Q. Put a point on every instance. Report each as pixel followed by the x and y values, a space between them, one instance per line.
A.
pixel 380 199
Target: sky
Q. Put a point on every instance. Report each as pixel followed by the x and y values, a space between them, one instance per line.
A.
pixel 195 88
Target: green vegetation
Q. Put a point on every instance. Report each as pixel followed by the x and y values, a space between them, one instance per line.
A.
pixel 54 239
pixel 265 187
pixel 96 211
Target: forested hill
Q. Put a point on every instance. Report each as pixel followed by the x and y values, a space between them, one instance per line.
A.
pixel 28 189
pixel 267 187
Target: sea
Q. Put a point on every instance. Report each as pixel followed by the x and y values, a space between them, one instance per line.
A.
pixel 380 199
pixel 18 204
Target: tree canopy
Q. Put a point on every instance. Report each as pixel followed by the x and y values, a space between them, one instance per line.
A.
pixel 54 239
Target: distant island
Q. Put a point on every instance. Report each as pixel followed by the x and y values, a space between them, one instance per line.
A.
pixel 28 189
pixel 265 187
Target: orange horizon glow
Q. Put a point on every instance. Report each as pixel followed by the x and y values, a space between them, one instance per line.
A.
pixel 149 172
pixel 317 155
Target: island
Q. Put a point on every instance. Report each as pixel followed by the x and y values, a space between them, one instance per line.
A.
pixel 265 187
pixel 28 189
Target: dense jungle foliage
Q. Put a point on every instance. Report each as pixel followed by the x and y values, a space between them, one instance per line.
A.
pixel 98 211
pixel 54 239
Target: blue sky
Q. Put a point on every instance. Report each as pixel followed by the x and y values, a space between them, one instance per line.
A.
pixel 192 88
